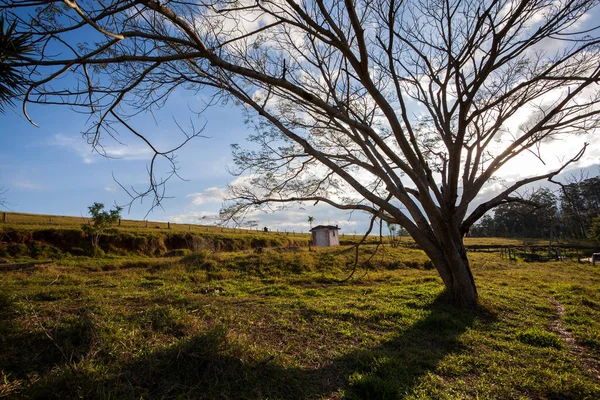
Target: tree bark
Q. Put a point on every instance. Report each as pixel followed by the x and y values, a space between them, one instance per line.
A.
pixel 453 266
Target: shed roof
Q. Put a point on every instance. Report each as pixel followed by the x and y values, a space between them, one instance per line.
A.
pixel 327 227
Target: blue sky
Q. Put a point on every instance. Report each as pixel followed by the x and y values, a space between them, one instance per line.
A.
pixel 51 169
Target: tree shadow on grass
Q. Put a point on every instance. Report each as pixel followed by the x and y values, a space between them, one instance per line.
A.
pixel 210 366
pixel 26 352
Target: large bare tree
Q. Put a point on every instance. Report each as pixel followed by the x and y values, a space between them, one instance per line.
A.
pixel 400 109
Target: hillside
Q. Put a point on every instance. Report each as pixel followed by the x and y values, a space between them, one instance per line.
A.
pixel 36 236
pixel 51 236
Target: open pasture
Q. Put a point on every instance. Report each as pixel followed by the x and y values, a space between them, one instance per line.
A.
pixel 283 325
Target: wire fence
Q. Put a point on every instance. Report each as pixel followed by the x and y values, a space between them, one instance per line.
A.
pixel 544 253
pixel 40 220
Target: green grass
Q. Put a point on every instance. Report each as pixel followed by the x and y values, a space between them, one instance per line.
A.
pixel 281 325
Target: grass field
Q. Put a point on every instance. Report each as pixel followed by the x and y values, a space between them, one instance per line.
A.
pixel 282 325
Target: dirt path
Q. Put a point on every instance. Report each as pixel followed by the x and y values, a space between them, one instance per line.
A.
pixel 589 364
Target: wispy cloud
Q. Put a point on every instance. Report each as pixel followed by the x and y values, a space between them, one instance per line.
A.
pixel 195 217
pixel 113 150
pixel 209 195
pixel 111 189
pixel 295 219
pixel 26 184
pixel 292 220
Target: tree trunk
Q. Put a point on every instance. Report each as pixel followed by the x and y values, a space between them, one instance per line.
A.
pixel 462 288
pixel 453 266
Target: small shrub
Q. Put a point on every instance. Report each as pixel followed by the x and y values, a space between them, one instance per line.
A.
pixel 539 338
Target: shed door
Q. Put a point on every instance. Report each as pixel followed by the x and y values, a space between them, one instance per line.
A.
pixel 322 238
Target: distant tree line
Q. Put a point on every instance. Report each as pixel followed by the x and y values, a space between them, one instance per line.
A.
pixel 573 212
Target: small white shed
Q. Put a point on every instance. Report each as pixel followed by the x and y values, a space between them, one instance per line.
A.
pixel 325 236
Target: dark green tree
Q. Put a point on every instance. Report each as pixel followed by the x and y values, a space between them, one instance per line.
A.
pixel 534 217
pixel 595 229
pixel 486 227
pixel 580 204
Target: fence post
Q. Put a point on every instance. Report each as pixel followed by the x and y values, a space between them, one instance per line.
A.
pixel 146 223
pixel 168 225
pixel 3 217
pixel 119 221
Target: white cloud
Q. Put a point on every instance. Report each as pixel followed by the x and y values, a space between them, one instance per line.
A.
pixel 111 189
pixel 26 184
pixel 295 219
pixel 209 195
pixel 88 155
pixel 195 217
pixel 292 219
